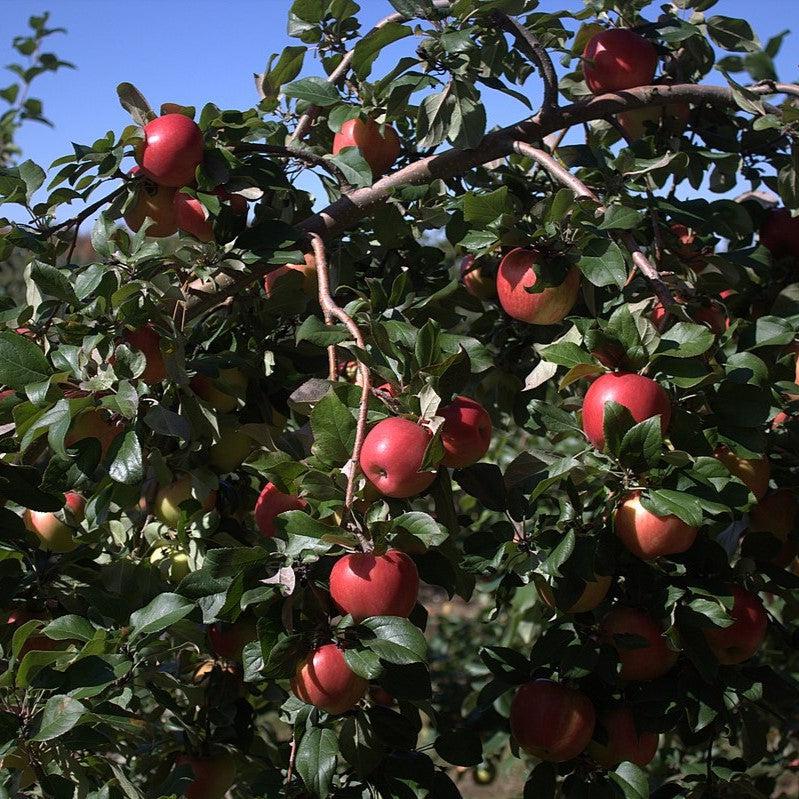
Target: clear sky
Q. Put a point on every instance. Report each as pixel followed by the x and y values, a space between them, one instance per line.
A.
pixel 193 51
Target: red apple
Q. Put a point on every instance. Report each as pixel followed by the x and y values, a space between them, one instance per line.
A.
pixel 222 392
pixel 754 473
pixel 55 534
pixel 364 584
pixel 152 202
pixel 625 742
pixel 171 151
pixel 466 432
pixel 190 214
pixel 775 514
pixel 649 536
pixel 147 340
pixel 642 397
pixel 380 696
pixel 12 619
pixel 392 456
pixel 169 498
pixel 310 284
pixel 594 592
pixel 618 59
pixel 779 233
pixel 325 680
pixel 551 721
pixel 476 283
pixel 213 776
pixel 516 274
pixel 228 640
pixel 94 423
pixel 271 503
pixel 647 662
pixel 739 641
pixel 379 149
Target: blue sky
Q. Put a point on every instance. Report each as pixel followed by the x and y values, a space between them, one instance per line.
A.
pixel 193 51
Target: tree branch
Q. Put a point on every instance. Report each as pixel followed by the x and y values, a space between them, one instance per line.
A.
pixel 331 310
pixel 299 154
pixel 562 175
pixel 530 45
pixel 86 212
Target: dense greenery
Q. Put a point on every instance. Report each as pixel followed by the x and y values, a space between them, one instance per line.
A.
pixel 149 639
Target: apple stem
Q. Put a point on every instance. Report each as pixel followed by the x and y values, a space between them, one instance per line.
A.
pixel 562 175
pixel 332 311
pixel 292 759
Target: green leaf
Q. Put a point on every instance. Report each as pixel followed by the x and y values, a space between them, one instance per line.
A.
pixel 359 745
pixel 313 329
pixel 316 760
pixel 162 612
pixel 602 262
pixel 60 715
pixel 127 465
pixel 641 444
pixel 665 502
pixel 559 555
pixel 368 48
pixel 287 68
pixel 566 353
pixel 685 340
pixel 316 91
pixel 333 427
pixel 632 780
pixel 734 35
pixel 482 209
pixel 542 782
pixel 621 217
pixel 68 627
pixel 460 747
pixel 395 640
pixel 21 362
pixel 52 282
pixel 133 101
pixel 434 118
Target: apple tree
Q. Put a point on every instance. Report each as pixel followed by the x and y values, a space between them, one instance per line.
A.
pixel 479 464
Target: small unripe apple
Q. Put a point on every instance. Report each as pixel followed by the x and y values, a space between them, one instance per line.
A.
pixel 647 662
pixel 171 151
pixel 639 122
pixel 213 776
pixel 94 423
pixel 551 721
pixel 548 307
pixel 478 284
pixel 233 447
pixel 221 393
pixel 618 59
pixel 152 202
pixel 392 456
pixel 171 560
pixel 779 233
pixel 642 397
pixel 325 680
pixel 466 432
pixel 594 592
pixel 228 640
pixel 54 534
pixel 647 535
pixel 271 503
pixel 775 514
pixel 625 742
pixel 379 149
pixel 166 506
pixel 190 215
pixel 147 340
pixel 308 270
pixel 754 473
pixel 741 640
pixel 364 584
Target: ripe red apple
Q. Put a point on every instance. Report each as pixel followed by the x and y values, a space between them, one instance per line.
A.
pixel 166 506
pixel 466 432
pixel 754 473
pixel 16 617
pixel 647 662
pixel 190 213
pixel 152 202
pixel 476 283
pixel 684 246
pixel 213 776
pixel 271 503
pixel 147 340
pixel 392 456
pixel 551 721
pixel 310 281
pixel 707 313
pixel 228 640
pixel 594 592
pixel 649 536
pixel 364 584
pixel 171 151
pixel 548 307
pixel 379 149
pixel 54 534
pixel 325 680
pixel 775 514
pixel 380 696
pixel 618 59
pixel 625 742
pixel 94 423
pixel 779 233
pixel 221 393
pixel 739 641
pixel 642 397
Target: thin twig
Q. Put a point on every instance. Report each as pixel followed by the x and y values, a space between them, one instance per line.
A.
pixel 299 154
pixel 292 760
pixel 562 175
pixel 530 45
pixel 86 212
pixel 332 310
